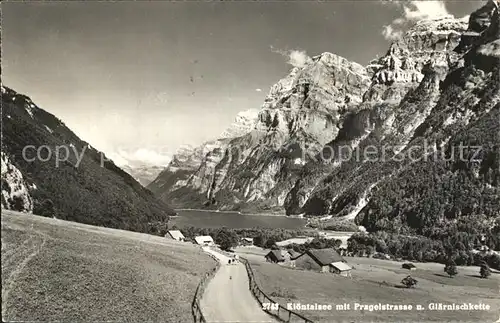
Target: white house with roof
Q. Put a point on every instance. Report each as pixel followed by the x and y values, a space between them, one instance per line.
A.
pixel 204 240
pixel 246 241
pixel 175 235
pixel 340 268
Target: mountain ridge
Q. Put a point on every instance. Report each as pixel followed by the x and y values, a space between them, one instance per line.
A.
pixel 65 177
pixel 408 97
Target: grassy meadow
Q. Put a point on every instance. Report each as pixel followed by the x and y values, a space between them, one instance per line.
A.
pixel 54 270
pixel 377 281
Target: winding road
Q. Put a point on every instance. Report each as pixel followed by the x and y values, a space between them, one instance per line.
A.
pixel 230 300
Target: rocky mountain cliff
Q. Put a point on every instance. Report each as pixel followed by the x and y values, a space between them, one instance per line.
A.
pixel 188 161
pixel 48 170
pixel 15 190
pixel 378 145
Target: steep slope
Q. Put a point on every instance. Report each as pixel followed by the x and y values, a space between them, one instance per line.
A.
pixel 405 86
pixel 169 184
pixel 331 101
pixel 301 113
pixel 15 192
pixel 435 165
pixel 65 176
pixel 458 186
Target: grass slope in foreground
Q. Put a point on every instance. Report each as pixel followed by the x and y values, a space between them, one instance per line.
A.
pixel 58 270
pixel 378 281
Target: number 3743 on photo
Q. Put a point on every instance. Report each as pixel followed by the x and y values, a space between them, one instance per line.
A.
pixel 270 306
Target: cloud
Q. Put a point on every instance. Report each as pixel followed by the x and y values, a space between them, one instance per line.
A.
pixel 141 156
pixel 390 33
pixel 296 57
pixel 412 11
pixel 417 10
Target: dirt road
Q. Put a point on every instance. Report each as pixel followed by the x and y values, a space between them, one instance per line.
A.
pixel 230 300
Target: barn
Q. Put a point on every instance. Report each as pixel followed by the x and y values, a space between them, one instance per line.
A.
pixel 293 256
pixel 277 256
pixel 318 259
pixel 340 268
pixel 246 241
pixel 175 235
pixel 204 240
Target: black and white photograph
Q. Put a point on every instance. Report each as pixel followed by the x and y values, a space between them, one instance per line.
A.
pixel 253 161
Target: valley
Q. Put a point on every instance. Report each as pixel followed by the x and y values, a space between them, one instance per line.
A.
pixel 362 177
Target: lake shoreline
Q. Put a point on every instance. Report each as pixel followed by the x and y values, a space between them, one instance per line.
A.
pixel 239 212
pixel 235 220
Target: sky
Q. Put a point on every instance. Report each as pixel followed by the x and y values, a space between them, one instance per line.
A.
pixel 138 80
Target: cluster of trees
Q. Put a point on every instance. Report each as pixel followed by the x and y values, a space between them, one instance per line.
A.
pixel 452 271
pixel 317 243
pixel 420 248
pixel 447 200
pixel 262 237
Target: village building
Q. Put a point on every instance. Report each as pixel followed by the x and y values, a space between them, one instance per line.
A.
pixel 175 235
pixel 318 259
pixel 204 240
pixel 293 256
pixel 246 241
pixel 340 268
pixel 277 256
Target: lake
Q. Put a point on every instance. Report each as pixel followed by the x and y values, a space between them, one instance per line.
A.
pixel 211 219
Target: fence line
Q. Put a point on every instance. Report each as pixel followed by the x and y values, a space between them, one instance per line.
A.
pixel 281 313
pixel 198 295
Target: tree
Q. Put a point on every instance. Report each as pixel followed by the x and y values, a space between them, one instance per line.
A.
pixel 338 243
pixel 270 243
pixel 369 251
pixel 46 208
pixel 260 240
pixel 226 239
pixel 485 270
pixel 409 281
pixel 451 268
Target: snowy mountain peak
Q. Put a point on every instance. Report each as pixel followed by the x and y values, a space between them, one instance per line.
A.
pixel 243 123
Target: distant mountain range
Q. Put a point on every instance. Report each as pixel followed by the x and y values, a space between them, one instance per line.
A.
pixel 143 173
pixel 436 88
pixel 48 170
pixel 180 173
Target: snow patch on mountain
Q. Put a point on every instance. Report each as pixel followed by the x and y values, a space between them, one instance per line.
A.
pixel 363 201
pixel 244 121
pixel 48 129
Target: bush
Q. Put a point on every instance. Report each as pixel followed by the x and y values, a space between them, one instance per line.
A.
pixel 409 282
pixel 226 239
pixel 451 268
pixel 485 271
pixel 46 208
